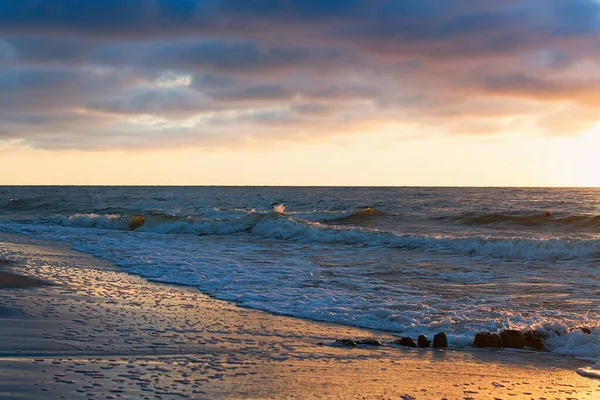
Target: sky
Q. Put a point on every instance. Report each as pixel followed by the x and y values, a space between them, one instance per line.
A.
pixel 300 92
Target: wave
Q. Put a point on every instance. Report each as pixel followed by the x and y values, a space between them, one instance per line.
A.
pixel 161 223
pixel 582 220
pixel 213 271
pixel 115 210
pixel 527 220
pixel 274 225
pixel 358 216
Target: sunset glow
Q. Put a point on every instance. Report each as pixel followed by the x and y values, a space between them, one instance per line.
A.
pixel 300 93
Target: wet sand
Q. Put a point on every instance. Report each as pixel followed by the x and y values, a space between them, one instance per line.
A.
pixel 10 281
pixel 13 281
pixel 100 333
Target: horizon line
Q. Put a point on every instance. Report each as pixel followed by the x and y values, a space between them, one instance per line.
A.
pixel 306 186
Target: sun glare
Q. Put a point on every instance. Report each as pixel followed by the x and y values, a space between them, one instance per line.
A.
pixel 588 157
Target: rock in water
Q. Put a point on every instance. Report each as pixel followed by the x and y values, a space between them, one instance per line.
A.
pixel 487 339
pixel 535 339
pixel 440 340
pixel 136 221
pixel 512 339
pixel 422 341
pixel 406 341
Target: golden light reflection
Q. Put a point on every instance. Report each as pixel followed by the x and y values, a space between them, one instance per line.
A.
pixel 396 156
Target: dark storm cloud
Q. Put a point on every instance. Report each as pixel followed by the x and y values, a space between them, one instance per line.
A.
pixel 105 72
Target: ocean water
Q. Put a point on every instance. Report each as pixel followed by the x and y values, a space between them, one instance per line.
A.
pixel 409 260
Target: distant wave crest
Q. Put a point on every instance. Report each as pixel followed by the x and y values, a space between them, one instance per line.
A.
pixel 527 220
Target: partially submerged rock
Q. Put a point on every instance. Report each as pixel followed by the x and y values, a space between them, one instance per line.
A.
pixel 487 339
pixel 440 340
pixel 535 339
pixel 512 339
pixel 406 341
pixel 423 342
pixel 136 221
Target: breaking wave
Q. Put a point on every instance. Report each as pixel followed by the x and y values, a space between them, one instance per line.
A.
pixel 275 225
pixel 526 220
pixel 358 216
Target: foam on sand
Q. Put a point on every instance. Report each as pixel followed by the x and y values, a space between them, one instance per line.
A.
pixel 590 372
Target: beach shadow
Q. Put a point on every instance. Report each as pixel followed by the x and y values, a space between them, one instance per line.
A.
pixel 10 280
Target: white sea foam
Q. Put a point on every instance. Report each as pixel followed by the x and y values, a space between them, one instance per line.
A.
pixel 333 283
pixel 591 372
pixel 92 220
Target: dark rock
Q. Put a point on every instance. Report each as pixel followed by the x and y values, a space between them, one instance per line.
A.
pixel 548 214
pixel 371 342
pixel 406 341
pixel 320 344
pixel 512 338
pixel 345 342
pixel 422 341
pixel 136 221
pixel 487 339
pixel 440 340
pixel 535 339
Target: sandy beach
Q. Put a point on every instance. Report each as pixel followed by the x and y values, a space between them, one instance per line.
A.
pixel 74 326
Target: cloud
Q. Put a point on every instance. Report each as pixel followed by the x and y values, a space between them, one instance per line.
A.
pixel 520 85
pixel 110 73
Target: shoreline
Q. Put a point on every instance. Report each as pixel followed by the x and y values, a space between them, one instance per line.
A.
pixel 134 338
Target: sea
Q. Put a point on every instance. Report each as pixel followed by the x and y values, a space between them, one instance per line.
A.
pixel 411 260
